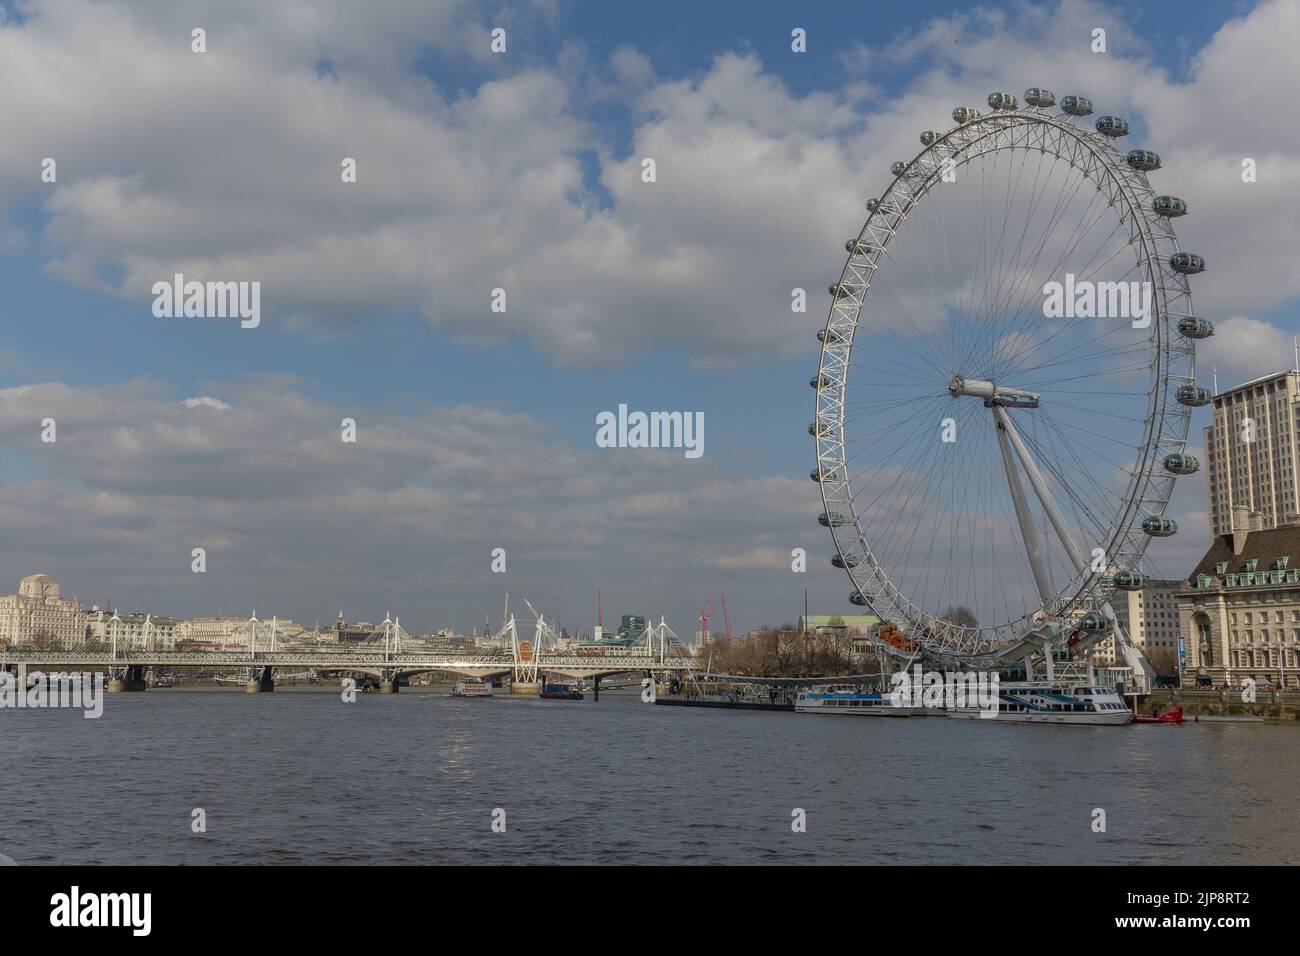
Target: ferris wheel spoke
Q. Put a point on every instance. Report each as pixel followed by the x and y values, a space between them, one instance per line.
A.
pixel 1027 314
pixel 1030 310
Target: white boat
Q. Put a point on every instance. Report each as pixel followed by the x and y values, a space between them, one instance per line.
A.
pixel 1046 702
pixel 851 701
pixel 471 687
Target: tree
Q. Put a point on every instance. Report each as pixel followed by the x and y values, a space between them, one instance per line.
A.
pixel 961 615
pixel 44 640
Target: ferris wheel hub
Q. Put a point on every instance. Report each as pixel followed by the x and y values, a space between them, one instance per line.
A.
pixel 992 393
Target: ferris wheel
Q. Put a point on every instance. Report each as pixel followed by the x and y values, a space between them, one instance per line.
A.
pixel 1006 382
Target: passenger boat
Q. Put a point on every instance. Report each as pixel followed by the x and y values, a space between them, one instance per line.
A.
pixel 1047 702
pixel 852 701
pixel 471 687
pixel 1174 716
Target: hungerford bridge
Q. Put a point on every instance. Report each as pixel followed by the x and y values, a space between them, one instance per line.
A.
pixel 389 654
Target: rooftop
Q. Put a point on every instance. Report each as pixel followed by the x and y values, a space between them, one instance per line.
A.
pixel 1263 548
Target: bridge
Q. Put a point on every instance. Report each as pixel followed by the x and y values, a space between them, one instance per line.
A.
pixel 389 655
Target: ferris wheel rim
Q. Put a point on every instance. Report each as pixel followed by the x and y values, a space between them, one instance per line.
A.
pixel 1167 423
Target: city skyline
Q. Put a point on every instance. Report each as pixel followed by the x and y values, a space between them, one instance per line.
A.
pixel 475 429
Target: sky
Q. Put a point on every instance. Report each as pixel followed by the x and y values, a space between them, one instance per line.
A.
pixel 522 170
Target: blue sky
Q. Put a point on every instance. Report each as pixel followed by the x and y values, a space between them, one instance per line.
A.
pixel 597 86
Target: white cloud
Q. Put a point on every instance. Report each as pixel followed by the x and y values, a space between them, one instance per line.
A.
pixel 1242 349
pixel 205 401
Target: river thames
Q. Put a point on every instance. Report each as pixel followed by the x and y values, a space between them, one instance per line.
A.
pixel 300 777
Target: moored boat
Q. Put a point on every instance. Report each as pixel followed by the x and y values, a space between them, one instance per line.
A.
pixel 1174 716
pixel 1047 702
pixel 853 701
pixel 560 692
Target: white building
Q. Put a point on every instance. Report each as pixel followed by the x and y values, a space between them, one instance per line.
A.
pixel 232 633
pixel 37 612
pixel 140 631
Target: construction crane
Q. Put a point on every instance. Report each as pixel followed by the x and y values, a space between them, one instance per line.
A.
pixel 710 608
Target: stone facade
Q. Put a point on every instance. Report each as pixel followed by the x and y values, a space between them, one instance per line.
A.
pixel 38 613
pixel 140 631
pixel 1240 612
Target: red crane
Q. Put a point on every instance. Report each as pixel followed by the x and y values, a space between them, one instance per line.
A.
pixel 709 608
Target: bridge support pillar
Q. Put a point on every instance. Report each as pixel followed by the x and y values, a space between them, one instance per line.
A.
pixel 388 686
pixel 595 688
pixel 126 679
pixel 260 682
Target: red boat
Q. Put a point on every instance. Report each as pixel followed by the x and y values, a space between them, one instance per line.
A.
pixel 1174 716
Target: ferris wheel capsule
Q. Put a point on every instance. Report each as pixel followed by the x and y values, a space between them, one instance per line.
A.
pixel 842 290
pixel 819 381
pixel 1169 206
pixel 1188 263
pixel 964 114
pixel 819 429
pixel 873 205
pixel 1112 126
pixel 928 137
pixel 901 168
pixel 1040 97
pixel 858 247
pixel 1093 623
pixel 1128 580
pixel 858 598
pixel 1191 327
pixel 1192 395
pixel 1159 527
pixel 1002 101
pixel 1179 464
pixel 832 519
pixel 844 561
pixel 830 336
pixel 1143 159
pixel 1076 105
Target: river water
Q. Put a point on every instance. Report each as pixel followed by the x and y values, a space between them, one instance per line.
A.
pixel 299 776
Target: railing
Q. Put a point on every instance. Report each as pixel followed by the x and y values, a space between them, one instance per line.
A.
pixel 342 658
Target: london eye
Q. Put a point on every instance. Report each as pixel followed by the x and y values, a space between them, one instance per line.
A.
pixel 1006 380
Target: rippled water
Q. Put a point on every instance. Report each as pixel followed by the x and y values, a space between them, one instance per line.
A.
pixel 297 776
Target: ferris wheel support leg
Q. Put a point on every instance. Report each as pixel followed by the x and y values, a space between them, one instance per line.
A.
pixel 1023 515
pixel 1040 488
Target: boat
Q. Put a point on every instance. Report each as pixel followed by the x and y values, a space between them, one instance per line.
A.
pixel 852 701
pixel 726 702
pixel 1174 716
pixel 471 687
pixel 1051 702
pixel 559 692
